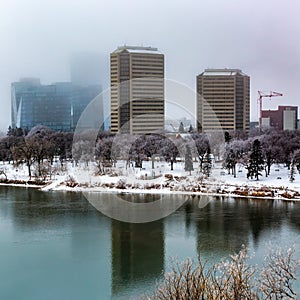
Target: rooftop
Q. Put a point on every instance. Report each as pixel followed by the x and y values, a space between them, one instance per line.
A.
pixel 137 49
pixel 222 72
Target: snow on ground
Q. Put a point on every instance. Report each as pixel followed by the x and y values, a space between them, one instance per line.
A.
pixel 154 179
pixel 14 173
pixel 278 178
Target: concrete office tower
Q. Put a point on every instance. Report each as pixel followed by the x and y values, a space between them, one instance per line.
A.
pixel 137 90
pixel 223 100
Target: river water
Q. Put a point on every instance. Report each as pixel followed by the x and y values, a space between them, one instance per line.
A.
pixel 56 245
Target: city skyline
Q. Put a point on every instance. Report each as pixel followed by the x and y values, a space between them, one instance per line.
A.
pixel 263 44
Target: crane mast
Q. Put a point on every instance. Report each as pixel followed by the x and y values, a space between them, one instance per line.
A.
pixel 260 99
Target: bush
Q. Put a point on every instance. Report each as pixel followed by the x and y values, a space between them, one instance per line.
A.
pixel 231 279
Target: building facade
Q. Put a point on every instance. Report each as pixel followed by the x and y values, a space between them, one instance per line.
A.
pixel 137 90
pixel 57 106
pixel 223 100
pixel 284 118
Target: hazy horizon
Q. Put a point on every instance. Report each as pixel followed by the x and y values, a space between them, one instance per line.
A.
pixel 38 39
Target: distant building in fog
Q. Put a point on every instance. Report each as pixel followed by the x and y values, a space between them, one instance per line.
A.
pixel 57 106
pixel 223 100
pixel 284 118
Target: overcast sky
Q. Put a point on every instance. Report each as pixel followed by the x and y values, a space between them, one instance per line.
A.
pixel 38 37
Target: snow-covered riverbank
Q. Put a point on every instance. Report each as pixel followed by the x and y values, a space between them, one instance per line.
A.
pixel 79 179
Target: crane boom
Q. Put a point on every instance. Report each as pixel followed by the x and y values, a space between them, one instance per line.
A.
pixel 260 99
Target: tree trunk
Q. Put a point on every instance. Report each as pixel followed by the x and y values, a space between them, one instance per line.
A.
pixel 39 167
pixel 29 170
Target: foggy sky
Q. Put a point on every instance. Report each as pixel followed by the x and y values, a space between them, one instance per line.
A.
pixel 37 39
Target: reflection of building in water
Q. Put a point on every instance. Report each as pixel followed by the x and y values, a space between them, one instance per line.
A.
pixel 137 249
pixel 222 226
pixel 264 215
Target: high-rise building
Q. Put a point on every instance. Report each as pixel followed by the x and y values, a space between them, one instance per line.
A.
pixel 57 106
pixel 223 100
pixel 137 90
pixel 284 118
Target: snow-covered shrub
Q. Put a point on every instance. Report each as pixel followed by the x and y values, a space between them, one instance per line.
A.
pixel 233 278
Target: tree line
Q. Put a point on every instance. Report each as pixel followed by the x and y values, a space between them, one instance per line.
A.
pixel 38 146
pixel 257 152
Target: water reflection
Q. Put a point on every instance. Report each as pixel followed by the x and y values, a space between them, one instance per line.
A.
pixel 137 254
pixel 225 224
pixel 63 240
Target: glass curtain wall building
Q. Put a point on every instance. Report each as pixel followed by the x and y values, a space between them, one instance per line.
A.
pixel 57 106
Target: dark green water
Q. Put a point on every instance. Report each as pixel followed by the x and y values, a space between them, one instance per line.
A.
pixel 55 245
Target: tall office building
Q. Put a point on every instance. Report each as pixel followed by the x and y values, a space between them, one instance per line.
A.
pixel 223 100
pixel 57 106
pixel 137 90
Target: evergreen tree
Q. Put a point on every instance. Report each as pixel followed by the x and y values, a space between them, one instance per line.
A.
pixel 19 131
pixel 191 129
pixel 227 137
pixel 181 128
pixel 188 163
pixel 256 161
pixel 292 171
pixel 207 165
pixel 11 131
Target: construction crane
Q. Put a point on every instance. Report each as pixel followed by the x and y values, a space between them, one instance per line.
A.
pixel 260 99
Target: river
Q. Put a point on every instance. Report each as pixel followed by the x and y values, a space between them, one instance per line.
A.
pixel 56 245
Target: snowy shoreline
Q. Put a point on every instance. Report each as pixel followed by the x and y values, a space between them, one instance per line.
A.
pixel 61 186
pixel 81 179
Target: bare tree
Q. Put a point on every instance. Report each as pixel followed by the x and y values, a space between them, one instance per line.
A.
pixel 278 275
pixel 185 281
pixel 24 153
pixel 3 172
pixel 232 279
pixel 103 154
pixel 202 145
